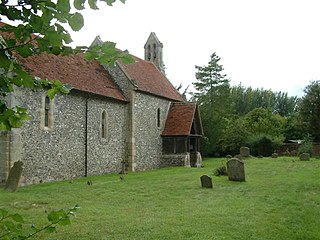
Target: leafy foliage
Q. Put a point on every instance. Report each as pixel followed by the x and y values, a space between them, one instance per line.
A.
pixel 262 145
pixel 245 100
pixel 306 146
pixel 12 226
pixel 39 28
pixel 213 97
pixel 310 109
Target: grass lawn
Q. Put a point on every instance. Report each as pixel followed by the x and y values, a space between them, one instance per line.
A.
pixel 279 200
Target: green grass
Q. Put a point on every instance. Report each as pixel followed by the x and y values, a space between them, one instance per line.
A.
pixel 279 200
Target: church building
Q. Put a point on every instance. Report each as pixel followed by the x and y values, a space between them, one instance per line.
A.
pixel 128 117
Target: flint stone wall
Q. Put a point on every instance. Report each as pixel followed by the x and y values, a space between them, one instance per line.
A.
pixel 175 160
pixel 59 153
pixel 148 140
pixel 4 156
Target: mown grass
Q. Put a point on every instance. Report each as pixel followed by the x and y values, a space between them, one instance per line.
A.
pixel 279 200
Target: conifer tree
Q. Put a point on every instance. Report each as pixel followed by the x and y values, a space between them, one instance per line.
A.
pixel 212 94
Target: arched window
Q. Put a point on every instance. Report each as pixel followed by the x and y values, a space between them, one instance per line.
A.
pixel 104 124
pixel 149 52
pixel 46 111
pixel 158 118
pixel 154 51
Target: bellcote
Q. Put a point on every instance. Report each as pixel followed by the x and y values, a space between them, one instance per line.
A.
pixel 153 51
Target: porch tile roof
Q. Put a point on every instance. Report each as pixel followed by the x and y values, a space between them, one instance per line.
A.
pixel 179 120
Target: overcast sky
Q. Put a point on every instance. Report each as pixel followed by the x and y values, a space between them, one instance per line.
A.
pixel 270 44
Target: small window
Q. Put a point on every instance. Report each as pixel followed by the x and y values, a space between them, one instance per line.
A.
pixel 149 52
pixel 158 117
pixel 104 124
pixel 46 111
pixel 154 51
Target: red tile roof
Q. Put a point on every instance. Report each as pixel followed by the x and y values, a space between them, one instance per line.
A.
pixel 147 77
pixel 180 118
pixel 73 69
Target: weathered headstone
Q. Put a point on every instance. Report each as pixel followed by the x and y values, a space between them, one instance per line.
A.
pixel 245 151
pixel 206 181
pixel 235 169
pixel 14 177
pixel 238 156
pixel 304 156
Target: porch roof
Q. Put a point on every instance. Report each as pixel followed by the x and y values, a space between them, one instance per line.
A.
pixel 183 120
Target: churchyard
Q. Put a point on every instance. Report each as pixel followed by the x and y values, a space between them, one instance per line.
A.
pixel 279 199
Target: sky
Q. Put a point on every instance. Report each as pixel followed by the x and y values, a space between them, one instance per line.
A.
pixel 269 44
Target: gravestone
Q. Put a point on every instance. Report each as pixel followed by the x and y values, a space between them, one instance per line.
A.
pixel 206 181
pixel 235 169
pixel 245 151
pixel 304 156
pixel 14 177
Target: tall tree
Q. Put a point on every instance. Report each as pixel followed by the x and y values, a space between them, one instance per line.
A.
pixel 213 97
pixel 245 100
pixel 310 109
pixel 39 27
pixel 209 78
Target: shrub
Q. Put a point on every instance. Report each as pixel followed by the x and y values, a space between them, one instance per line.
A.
pixel 220 171
pixel 306 146
pixel 262 145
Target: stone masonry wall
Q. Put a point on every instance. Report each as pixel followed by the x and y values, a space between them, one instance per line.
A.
pixel 59 152
pixel 56 153
pixel 148 140
pixel 106 154
pixel 4 155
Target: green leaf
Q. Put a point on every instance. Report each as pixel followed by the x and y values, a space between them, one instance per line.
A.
pixel 127 58
pixel 89 55
pixel 108 47
pixel 24 51
pixel 76 21
pixel 55 216
pixel 110 2
pixel 66 88
pixel 52 92
pixel 63 5
pixel 93 4
pixel 79 4
pixel 64 221
pixel 54 38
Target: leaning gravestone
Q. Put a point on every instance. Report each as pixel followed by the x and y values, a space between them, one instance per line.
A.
pixel 245 151
pixel 206 181
pixel 304 156
pixel 14 177
pixel 235 169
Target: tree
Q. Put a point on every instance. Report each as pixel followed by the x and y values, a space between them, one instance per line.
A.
pixel 39 28
pixel 213 97
pixel 234 136
pixel 209 78
pixel 245 100
pixel 310 109
pixel 263 121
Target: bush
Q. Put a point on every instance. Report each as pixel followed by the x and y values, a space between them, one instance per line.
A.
pixel 262 145
pixel 306 146
pixel 220 171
